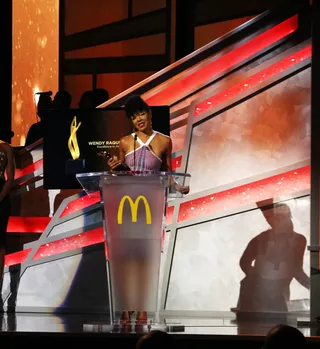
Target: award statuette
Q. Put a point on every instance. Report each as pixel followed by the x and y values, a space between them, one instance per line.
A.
pixel 74 165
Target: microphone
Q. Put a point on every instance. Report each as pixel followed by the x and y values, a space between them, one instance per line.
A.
pixel 134 151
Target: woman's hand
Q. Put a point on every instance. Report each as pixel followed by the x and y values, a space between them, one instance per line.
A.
pixel 114 162
pixel 183 189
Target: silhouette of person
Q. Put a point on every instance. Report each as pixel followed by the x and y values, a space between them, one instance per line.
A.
pixel 36 130
pixel 87 100
pixel 270 262
pixel 284 336
pixel 100 96
pixel 156 339
pixel 62 100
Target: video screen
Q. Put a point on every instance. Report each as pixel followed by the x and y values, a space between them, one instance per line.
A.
pixel 73 139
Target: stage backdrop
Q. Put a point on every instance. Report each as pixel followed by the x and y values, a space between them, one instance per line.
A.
pixel 72 140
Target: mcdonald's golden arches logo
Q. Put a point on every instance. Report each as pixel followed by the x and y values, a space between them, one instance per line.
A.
pixel 134 208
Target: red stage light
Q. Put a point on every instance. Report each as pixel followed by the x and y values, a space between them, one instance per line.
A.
pixel 29 169
pixel 80 204
pixel 181 86
pixel 70 243
pixel 253 80
pixel 169 214
pixel 176 162
pixel 20 224
pixel 280 185
pixel 16 257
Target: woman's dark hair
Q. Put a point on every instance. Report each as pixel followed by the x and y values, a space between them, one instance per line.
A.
pixel 135 104
pixel 44 105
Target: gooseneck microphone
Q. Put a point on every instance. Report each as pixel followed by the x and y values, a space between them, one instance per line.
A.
pixel 134 151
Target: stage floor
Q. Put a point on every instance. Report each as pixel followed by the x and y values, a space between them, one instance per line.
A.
pixel 87 323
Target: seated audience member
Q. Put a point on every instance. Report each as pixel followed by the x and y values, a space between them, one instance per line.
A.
pixel 87 100
pixel 36 130
pixel 100 96
pixel 62 100
pixel 284 336
pixel 156 340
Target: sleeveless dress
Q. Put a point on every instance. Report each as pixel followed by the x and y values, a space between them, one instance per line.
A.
pixel 143 158
pixel 4 204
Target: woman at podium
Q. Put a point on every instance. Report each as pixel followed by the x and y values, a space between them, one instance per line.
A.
pixel 143 150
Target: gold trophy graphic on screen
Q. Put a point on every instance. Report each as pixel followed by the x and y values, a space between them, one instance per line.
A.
pixel 76 164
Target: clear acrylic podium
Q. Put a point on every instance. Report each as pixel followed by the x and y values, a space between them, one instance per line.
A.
pixel 134 209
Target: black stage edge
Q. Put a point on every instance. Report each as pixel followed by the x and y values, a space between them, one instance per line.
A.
pixel 39 339
pixel 315 164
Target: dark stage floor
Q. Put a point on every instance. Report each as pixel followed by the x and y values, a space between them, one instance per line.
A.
pixel 24 328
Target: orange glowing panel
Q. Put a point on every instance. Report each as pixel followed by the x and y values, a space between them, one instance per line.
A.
pixel 181 86
pixel 35 52
pixel 279 185
pixel 253 80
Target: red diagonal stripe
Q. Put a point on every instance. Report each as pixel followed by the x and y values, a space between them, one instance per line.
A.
pixel 70 243
pixel 20 224
pixel 29 169
pixel 16 257
pixel 80 204
pixel 228 60
pixel 169 214
pixel 279 185
pixel 253 80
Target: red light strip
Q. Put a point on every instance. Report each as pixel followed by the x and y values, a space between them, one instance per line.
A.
pixel 16 257
pixel 224 63
pixel 169 214
pixel 275 186
pixel 176 162
pixel 253 80
pixel 19 224
pixel 70 243
pixel 29 169
pixel 80 204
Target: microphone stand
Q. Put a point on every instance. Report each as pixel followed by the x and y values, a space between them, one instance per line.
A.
pixel 134 151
